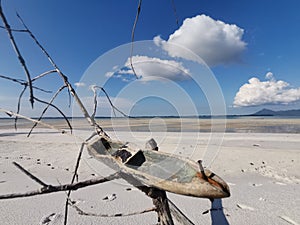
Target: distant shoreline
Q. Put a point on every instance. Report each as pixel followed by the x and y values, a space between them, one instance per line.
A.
pixel 245 124
pixel 175 117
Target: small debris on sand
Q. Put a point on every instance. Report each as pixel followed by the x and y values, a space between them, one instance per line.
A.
pixel 241 206
pixel 279 183
pixel 287 219
pixel 53 218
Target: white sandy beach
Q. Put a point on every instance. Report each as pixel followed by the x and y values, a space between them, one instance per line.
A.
pixel 262 170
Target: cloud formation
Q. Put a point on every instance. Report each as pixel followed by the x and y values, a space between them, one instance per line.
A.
pixel 271 91
pixel 213 40
pixel 151 68
pixel 79 84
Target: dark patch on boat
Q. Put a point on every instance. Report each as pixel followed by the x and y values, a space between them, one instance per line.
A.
pixel 137 160
pixel 123 154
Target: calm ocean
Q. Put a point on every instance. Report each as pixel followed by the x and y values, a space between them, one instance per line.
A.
pixel 170 124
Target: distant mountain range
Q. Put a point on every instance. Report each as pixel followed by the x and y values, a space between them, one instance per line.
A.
pixel 268 112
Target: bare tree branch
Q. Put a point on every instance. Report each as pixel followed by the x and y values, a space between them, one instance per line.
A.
pixel 19 104
pixel 65 79
pixel 75 175
pixel 24 83
pixel 94 89
pixel 179 215
pixel 46 108
pixel 109 100
pixel 10 113
pixel 81 212
pixel 55 107
pixel 20 57
pixel 66 187
pixel 41 89
pixel 14 30
pixel 111 104
pixel 175 12
pixel 20 81
pixel 30 175
pixel 43 74
pixel 132 36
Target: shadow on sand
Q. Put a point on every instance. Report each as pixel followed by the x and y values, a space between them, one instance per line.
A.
pixel 217 214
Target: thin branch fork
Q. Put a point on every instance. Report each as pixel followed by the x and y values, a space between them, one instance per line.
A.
pixel 43 74
pixel 94 89
pixel 14 30
pixel 18 53
pixel 65 80
pixel 47 188
pixel 24 83
pixel 71 90
pixel 46 108
pixel 132 36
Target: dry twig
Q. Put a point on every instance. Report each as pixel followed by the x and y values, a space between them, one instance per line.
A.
pixel 94 88
pixel 30 175
pixel 175 12
pixel 75 175
pixel 132 36
pixel 10 113
pixel 18 53
pixel 65 187
pixel 64 78
pixel 46 108
pixel 81 212
pixel 179 215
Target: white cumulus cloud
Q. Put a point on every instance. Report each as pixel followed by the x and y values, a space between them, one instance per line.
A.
pixel 213 40
pixel 151 68
pixel 271 91
pixel 269 76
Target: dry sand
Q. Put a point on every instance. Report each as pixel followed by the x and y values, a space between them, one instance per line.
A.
pixel 262 170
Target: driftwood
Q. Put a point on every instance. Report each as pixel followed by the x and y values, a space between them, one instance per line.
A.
pixel 158 169
pixel 19 55
pixel 48 188
pixel 130 165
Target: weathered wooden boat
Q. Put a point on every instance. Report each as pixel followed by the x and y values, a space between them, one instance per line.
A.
pixel 161 170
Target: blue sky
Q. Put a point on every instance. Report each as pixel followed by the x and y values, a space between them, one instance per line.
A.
pixel 251 47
